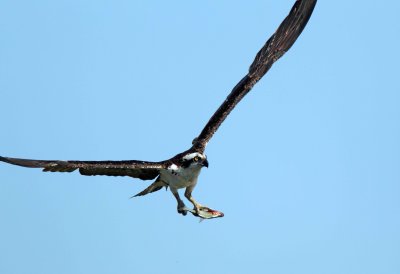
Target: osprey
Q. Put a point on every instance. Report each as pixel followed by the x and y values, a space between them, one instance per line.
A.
pixel 182 170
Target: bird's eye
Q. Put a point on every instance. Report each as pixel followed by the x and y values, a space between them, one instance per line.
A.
pixel 196 159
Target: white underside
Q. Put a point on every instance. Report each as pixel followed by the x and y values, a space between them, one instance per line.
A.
pixel 177 178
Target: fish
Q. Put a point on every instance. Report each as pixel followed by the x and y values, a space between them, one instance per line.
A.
pixel 205 213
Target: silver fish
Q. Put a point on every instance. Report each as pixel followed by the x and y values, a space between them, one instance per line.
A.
pixel 205 213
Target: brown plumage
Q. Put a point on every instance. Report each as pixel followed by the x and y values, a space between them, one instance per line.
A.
pixel 136 169
pixel 276 46
pixel 182 170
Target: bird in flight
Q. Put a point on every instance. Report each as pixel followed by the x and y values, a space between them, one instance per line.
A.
pixel 182 170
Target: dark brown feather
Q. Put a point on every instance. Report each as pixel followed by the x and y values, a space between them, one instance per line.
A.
pixel 136 169
pixel 276 46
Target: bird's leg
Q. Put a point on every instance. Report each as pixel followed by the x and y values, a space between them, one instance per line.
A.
pixel 181 205
pixel 188 195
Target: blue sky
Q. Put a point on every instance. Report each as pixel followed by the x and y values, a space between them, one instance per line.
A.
pixel 306 168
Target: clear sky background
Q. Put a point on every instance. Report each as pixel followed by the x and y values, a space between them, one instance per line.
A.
pixel 306 168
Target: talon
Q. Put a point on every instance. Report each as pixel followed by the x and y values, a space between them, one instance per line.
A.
pixel 198 208
pixel 182 211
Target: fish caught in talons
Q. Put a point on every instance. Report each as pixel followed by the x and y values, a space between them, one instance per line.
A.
pixel 205 213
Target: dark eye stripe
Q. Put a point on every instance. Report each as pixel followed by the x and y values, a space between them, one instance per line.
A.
pixel 186 164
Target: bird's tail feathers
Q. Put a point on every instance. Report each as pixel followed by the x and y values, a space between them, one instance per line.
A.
pixel 157 185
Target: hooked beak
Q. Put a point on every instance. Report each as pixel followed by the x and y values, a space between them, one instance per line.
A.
pixel 205 163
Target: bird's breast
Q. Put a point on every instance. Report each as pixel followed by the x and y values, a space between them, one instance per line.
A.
pixel 180 178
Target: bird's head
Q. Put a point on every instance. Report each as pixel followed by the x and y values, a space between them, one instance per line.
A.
pixel 194 159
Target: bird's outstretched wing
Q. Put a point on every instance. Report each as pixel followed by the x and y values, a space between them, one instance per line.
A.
pixel 136 169
pixel 276 46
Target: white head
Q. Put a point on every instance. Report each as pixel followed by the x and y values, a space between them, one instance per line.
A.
pixel 194 159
